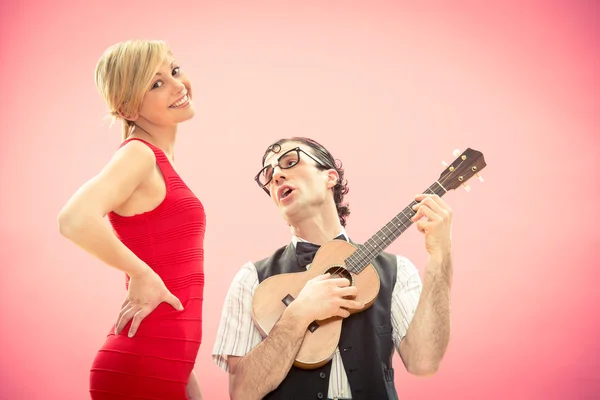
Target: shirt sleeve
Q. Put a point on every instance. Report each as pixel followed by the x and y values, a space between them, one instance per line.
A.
pixel 237 335
pixel 405 298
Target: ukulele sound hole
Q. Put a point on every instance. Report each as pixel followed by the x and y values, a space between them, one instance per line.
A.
pixel 340 271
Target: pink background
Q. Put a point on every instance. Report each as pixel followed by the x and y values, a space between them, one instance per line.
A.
pixel 391 88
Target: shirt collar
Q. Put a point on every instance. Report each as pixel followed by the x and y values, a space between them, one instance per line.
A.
pixel 296 239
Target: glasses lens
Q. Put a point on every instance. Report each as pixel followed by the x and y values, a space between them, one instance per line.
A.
pixel 265 175
pixel 289 159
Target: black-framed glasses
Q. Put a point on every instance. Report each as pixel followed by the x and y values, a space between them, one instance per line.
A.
pixel 287 160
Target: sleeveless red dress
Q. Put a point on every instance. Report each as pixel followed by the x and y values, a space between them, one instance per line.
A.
pixel 156 363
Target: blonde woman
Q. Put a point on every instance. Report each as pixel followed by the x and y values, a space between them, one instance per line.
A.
pixel 156 230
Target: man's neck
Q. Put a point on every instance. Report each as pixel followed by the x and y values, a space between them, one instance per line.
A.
pixel 317 229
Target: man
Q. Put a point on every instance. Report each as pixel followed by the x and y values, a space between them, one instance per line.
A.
pixel 307 187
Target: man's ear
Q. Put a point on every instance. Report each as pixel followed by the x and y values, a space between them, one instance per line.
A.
pixel 332 178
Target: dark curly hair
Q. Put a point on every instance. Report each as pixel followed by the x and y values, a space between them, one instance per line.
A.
pixel 340 189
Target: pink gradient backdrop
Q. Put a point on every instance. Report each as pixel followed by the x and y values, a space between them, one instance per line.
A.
pixel 391 88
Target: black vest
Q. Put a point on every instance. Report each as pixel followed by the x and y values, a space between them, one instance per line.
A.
pixel 365 345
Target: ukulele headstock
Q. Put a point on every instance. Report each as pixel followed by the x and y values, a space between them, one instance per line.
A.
pixel 469 163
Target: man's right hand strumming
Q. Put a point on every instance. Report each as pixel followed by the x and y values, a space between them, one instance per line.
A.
pixel 324 297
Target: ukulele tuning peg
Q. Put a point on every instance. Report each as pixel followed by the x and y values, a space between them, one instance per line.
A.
pixel 467 187
pixel 456 153
pixel 480 177
pixel 445 164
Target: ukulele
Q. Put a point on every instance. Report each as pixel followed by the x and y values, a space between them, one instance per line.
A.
pixel 343 259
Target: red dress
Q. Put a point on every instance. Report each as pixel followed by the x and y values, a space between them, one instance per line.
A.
pixel 156 363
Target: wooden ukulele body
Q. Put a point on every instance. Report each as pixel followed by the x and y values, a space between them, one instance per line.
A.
pixel 321 339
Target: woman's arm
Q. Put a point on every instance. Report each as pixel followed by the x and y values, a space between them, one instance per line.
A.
pixel 82 221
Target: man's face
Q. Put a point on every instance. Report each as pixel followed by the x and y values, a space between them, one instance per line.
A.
pixel 300 187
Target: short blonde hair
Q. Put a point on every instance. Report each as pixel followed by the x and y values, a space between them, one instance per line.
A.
pixel 123 75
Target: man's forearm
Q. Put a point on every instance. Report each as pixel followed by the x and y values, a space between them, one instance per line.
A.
pixel 264 368
pixel 429 332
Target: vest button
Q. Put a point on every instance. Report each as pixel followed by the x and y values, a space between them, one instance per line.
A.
pixel 322 375
pixel 320 395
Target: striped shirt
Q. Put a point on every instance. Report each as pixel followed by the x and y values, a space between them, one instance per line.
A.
pixel 237 334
